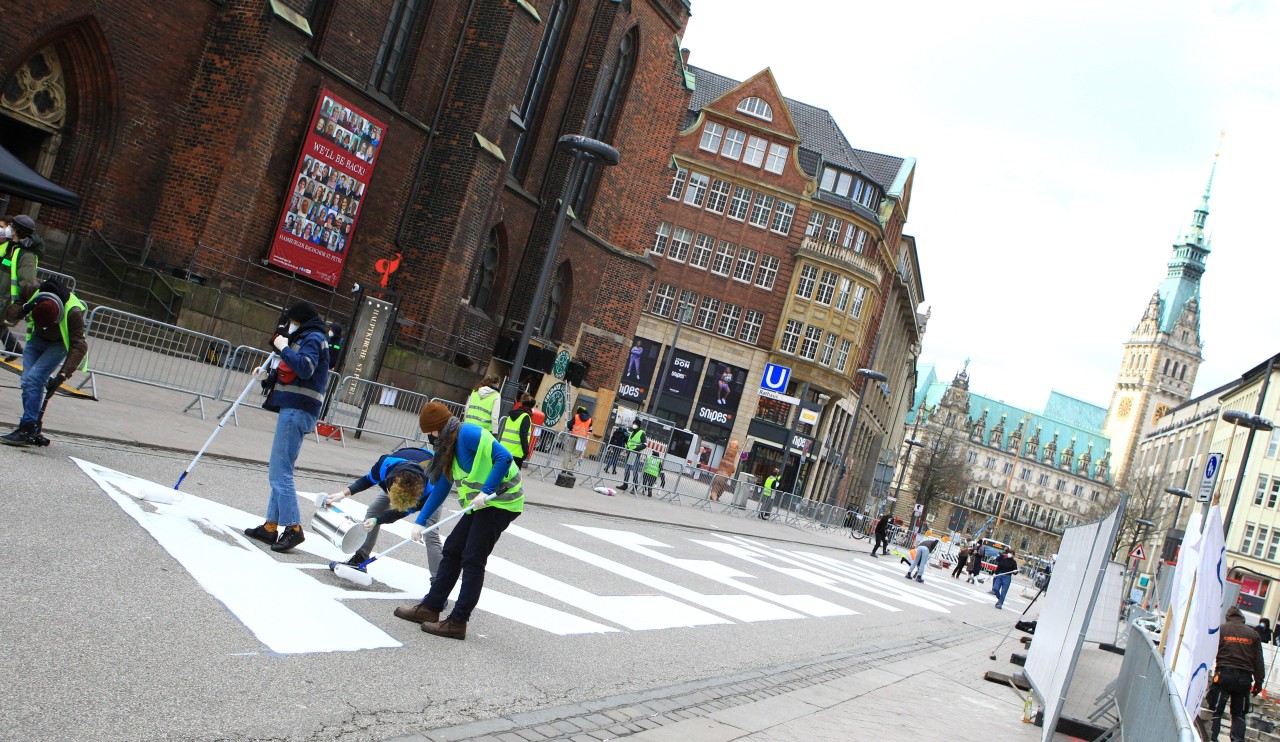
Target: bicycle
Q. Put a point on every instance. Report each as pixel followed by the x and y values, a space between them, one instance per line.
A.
pixel 861 527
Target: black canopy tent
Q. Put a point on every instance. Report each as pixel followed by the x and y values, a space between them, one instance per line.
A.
pixel 16 179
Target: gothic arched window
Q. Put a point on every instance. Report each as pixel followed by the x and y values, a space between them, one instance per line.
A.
pixel 558 299
pixel 527 115
pixel 486 274
pixel 606 119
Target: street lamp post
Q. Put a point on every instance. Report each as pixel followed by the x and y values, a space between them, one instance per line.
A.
pixel 869 375
pixel 684 313
pixel 791 435
pixel 1181 494
pixel 584 149
pixel 906 461
pixel 1254 423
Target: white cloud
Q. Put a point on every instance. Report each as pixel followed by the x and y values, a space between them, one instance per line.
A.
pixel 1061 150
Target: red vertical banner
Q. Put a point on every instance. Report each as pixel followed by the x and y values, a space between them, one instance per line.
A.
pixel 328 189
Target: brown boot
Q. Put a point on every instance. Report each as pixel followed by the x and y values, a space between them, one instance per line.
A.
pixel 449 628
pixel 417 613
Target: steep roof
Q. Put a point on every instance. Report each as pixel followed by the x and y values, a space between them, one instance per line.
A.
pixel 819 133
pixel 1076 412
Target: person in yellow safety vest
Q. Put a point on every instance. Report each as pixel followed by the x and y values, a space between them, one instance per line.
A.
pixel 483 406
pixel 56 344
pixel 490 492
pixel 652 470
pixel 770 484
pixel 19 256
pixel 514 430
pixel 636 442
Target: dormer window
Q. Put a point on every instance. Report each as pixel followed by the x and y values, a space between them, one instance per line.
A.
pixel 756 107
pixel 836 181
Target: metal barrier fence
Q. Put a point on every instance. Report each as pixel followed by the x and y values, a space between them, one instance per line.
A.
pixel 44 274
pixel 369 407
pixel 1147 704
pixel 155 353
pixel 237 372
pixel 458 409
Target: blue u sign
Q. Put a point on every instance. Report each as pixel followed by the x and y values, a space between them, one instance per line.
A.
pixel 775 377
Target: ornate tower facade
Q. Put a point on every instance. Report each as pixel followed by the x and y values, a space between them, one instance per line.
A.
pixel 1163 353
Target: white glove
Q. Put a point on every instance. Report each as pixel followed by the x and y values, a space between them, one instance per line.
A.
pixel 334 499
pixel 261 373
pixel 479 501
pixel 416 533
pixel 370 523
pixel 280 341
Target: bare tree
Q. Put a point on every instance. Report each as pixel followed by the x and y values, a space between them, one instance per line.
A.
pixel 1144 499
pixel 940 470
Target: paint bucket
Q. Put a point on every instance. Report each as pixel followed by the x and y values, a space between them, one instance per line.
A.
pixel 339 528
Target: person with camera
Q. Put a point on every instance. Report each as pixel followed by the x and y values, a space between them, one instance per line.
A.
pixel 56 345
pixel 20 251
pixel 297 396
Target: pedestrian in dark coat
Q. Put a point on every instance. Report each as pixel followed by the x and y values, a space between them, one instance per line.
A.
pixel 975 563
pixel 960 562
pixel 1239 673
pixel 882 536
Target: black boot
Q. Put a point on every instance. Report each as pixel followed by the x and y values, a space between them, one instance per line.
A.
pixel 23 435
pixel 291 537
pixel 261 533
pixel 357 559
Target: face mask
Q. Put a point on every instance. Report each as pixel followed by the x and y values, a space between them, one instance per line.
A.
pixel 6 233
pixel 293 327
pixel 635 426
pixel 432 439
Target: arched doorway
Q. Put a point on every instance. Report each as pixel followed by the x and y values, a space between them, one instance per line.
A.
pixel 33 111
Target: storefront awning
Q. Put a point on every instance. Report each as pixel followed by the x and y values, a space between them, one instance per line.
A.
pixel 16 179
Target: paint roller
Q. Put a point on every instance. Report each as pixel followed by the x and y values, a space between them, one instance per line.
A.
pixel 357 573
pixel 223 421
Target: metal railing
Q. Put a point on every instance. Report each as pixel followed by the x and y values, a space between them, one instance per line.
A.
pixel 1146 702
pixel 44 274
pixel 109 257
pixel 363 406
pixel 238 370
pixel 155 353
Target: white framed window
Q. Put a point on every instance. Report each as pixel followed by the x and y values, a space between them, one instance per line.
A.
pixel 680 239
pixel 972 457
pixel 1061 485
pixel 753 155
pixel 1261 540
pixel 842 355
pixel 842 296
pixel 1043 481
pixel 663 300
pixel 1247 541
pixel 777 158
pixel 751 325
pixel 808 279
pixel 1261 493
pixel 1007 468
pixel 809 345
pixel 648 295
pixel 814 227
pixel 696 194
pixel 729 320
pixel 677 183
pixel 828 179
pixel 1273 443
pixel 756 107
pixel 746 265
pixel 740 204
pixel 661 239
pixel 783 213
pixel 719 196
pixel 858 186
pixel 723 263
pixel 828 349
pixel 826 288
pixel 712 134
pixel 859 296
pixel 861 241
pixel 850 232
pixel 733 143
pixel 832 232
pixel 1274 495
pixel 870 197
pixel 707 313
pixel 991 462
pixel 790 335
pixel 687 307
pixel 760 210
pixel 836 181
pixel 767 273
pixel 702 248
pixel 1078 490
pixel 1273 546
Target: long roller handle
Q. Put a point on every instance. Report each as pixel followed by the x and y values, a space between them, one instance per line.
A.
pixel 222 422
pixel 441 522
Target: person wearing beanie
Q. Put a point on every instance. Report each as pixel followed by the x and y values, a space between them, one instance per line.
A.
pixel 19 257
pixel 301 381
pixel 56 345
pixel 490 492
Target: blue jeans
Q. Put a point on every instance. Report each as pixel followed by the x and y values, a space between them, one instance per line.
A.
pixel 921 561
pixel 40 359
pixel 633 469
pixel 291 428
pixel 1001 587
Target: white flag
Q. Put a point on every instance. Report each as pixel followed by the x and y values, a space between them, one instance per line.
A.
pixel 1183 574
pixel 1199 637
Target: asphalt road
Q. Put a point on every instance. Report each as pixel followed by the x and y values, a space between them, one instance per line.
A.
pixel 116 623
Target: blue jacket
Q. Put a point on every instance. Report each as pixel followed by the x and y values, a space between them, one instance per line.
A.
pixel 308 355
pixel 387 466
pixel 465 455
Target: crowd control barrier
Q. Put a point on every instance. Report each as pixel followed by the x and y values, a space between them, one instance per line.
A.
pixel 44 274
pixel 363 406
pixel 1146 703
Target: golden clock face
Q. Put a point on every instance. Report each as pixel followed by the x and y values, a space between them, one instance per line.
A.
pixel 1160 411
pixel 1126 406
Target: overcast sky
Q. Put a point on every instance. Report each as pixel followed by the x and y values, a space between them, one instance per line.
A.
pixel 1061 149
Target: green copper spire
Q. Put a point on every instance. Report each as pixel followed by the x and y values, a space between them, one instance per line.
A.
pixel 1186 264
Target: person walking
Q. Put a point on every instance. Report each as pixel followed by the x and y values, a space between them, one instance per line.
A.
pixel 1006 565
pixel 924 549
pixel 56 345
pixel 484 404
pixel 401 477
pixel 637 440
pixel 20 250
pixel 652 470
pixel 1238 674
pixel 301 379
pixel 766 495
pixel 882 536
pixel 975 563
pixel 1264 630
pixel 617 443
pixel 489 483
pixel 513 431
pixel 960 562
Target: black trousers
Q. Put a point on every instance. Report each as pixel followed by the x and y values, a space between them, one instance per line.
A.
pixel 959 568
pixel 466 552
pixel 882 543
pixel 1233 685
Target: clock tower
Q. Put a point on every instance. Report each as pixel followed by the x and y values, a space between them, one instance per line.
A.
pixel 1162 354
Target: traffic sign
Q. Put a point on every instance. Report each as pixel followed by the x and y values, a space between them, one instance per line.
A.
pixel 775 378
pixel 1138 553
pixel 1211 468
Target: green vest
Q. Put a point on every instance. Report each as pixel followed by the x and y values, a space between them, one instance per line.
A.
pixel 469 484
pixel 769 484
pixel 72 303
pixel 480 410
pixel 510 438
pixel 653 467
pixel 11 262
pixel 634 440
